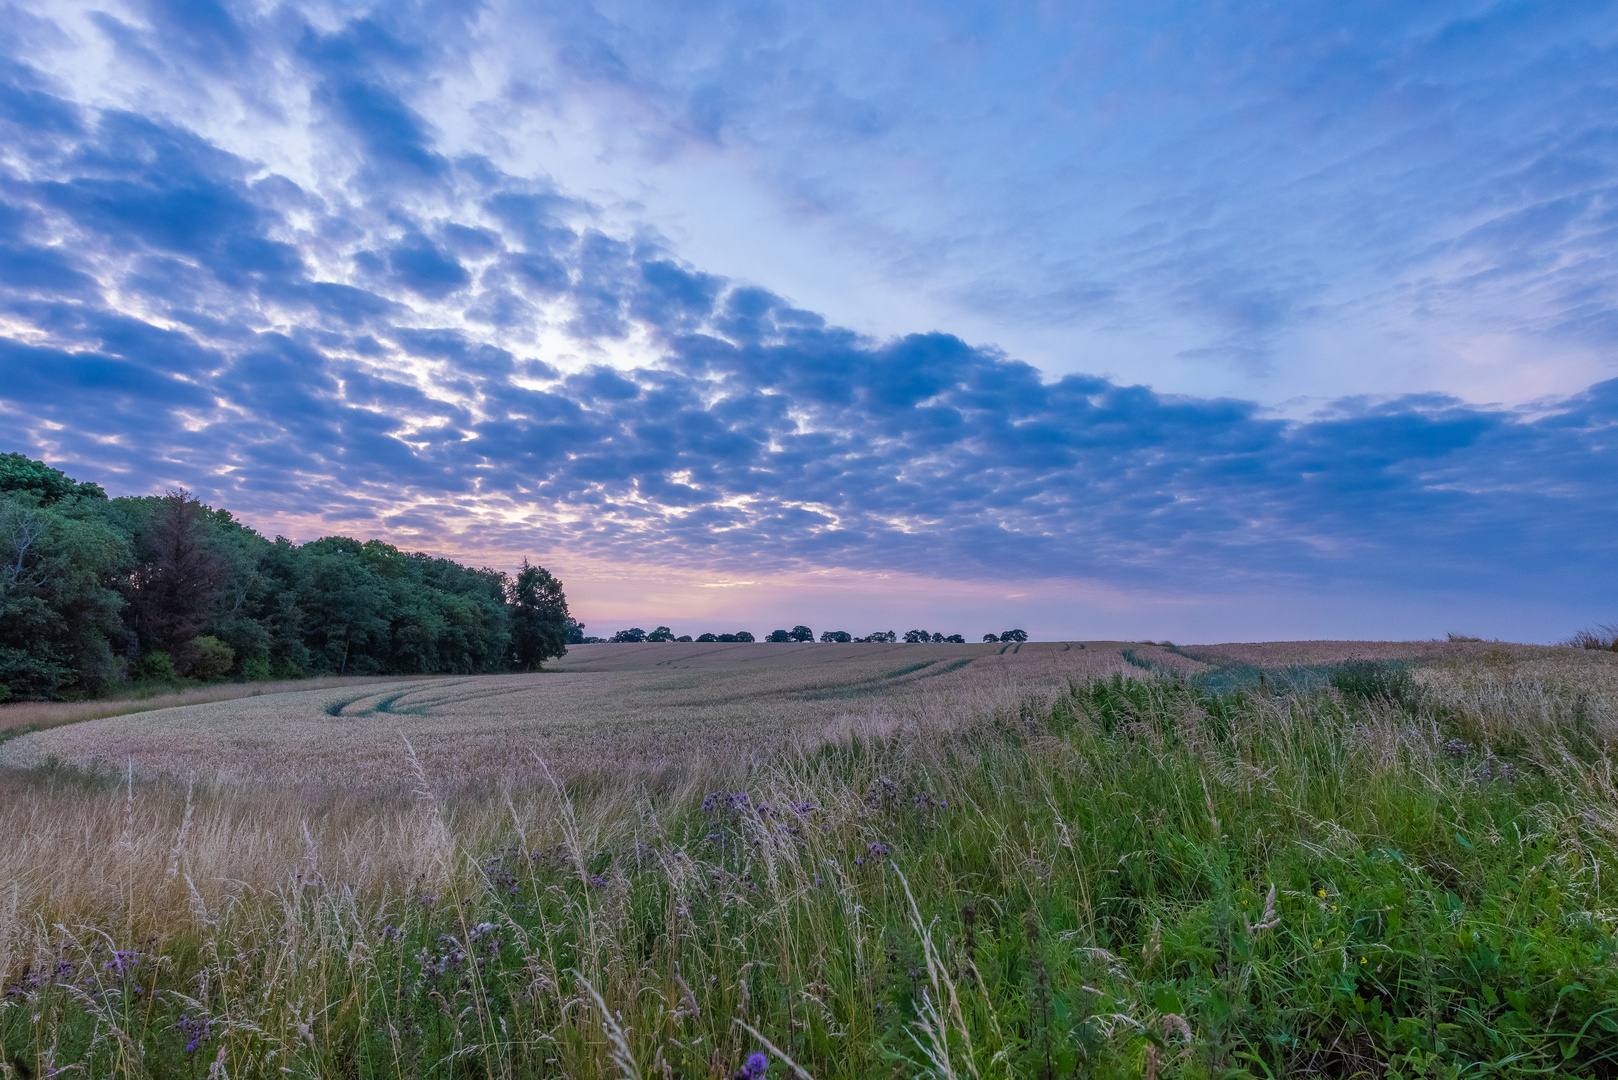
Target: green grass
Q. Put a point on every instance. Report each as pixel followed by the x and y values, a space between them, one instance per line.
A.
pixel 1151 877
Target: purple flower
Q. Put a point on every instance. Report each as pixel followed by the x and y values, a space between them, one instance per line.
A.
pixel 196 1031
pixel 122 962
pixel 756 1066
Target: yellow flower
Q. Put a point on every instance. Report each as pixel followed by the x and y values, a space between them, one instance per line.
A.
pixel 1321 893
pixel 1362 959
pixel 1319 942
pixel 1334 907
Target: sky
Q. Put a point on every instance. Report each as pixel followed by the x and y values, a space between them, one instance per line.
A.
pixel 1106 320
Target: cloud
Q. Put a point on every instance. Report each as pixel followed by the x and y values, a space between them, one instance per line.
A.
pixel 421 339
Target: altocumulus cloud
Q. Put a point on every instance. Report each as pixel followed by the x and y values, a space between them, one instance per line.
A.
pixel 433 346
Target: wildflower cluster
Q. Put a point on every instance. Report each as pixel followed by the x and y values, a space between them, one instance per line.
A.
pixel 753 1068
pixel 197 1030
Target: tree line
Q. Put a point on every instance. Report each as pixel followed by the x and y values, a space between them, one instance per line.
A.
pixel 97 592
pixel 636 635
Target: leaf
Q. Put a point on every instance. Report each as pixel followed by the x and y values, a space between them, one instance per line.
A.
pixel 1167 1001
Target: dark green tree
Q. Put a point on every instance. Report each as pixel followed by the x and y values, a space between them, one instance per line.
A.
pixel 178 580
pixel 24 476
pixel 95 591
pixel 59 615
pixel 540 626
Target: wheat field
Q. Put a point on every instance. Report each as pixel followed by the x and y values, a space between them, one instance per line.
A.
pixel 606 714
pixel 859 860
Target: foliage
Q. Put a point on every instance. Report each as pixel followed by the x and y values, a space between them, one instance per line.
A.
pixel 92 589
pixel 540 627
pixel 41 484
pixel 935 637
pixel 211 659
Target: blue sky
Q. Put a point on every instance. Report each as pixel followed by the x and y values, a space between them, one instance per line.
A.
pixel 1126 320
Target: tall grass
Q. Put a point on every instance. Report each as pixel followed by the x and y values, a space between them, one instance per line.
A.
pixel 1143 877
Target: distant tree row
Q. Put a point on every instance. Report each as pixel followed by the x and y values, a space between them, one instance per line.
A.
pixel 96 591
pixel 802 633
pixel 635 635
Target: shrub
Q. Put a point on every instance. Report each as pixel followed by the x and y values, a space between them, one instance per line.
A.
pixel 1600 636
pixel 257 669
pixel 5 692
pixel 158 667
pixel 211 659
pixel 1373 680
pixel 287 669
